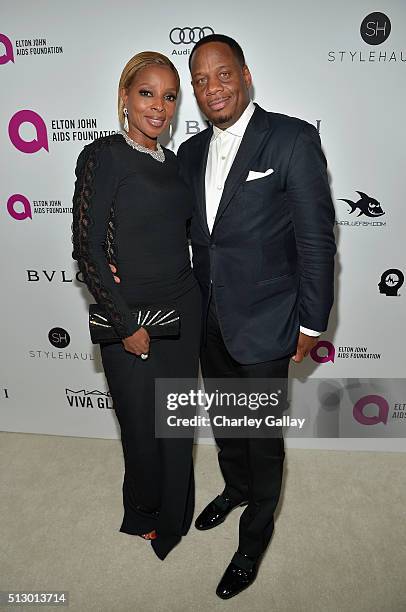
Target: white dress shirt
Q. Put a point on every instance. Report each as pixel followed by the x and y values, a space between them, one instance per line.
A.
pixel 223 148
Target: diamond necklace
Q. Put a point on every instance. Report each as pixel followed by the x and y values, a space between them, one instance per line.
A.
pixel 159 154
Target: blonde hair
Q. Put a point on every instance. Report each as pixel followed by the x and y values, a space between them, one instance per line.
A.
pixel 134 65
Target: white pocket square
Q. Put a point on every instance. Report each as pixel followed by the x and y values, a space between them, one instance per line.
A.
pixel 252 176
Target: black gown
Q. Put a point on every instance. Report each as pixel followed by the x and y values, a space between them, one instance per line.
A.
pixel 132 210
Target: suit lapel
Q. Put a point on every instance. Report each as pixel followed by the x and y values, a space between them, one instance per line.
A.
pixel 255 136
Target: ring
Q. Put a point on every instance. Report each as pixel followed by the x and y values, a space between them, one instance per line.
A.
pixel 144 355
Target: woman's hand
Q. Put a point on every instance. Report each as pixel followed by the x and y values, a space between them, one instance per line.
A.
pixel 138 343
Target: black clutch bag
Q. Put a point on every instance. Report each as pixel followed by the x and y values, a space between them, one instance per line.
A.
pixel 159 322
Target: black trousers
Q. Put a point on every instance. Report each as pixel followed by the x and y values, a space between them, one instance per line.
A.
pixel 158 485
pixel 251 467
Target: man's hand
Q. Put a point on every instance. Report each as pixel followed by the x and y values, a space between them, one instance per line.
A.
pixel 138 343
pixel 304 346
pixel 114 270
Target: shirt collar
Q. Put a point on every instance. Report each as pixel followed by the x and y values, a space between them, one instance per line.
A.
pixel 238 128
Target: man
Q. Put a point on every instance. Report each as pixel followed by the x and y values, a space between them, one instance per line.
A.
pixel 263 253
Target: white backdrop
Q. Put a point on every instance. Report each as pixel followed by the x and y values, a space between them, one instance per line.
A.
pixel 61 62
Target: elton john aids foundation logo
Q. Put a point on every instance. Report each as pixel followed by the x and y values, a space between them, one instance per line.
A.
pixel 8 54
pixel 326 346
pixel 28 146
pixel 19 207
pixel 371 400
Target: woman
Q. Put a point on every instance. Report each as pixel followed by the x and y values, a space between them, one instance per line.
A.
pixel 131 209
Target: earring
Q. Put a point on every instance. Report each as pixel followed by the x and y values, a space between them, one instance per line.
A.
pixel 125 125
pixel 170 131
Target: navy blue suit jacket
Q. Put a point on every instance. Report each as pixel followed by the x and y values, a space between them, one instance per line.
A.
pixel 269 260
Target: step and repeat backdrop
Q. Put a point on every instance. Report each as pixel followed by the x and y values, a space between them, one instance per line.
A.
pixel 340 66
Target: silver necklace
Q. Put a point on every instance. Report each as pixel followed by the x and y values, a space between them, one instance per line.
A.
pixel 159 154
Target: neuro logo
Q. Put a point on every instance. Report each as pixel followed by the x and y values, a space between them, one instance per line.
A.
pixel 366 205
pixel 59 337
pixel 377 400
pixel 22 211
pixel 375 28
pixel 330 356
pixel 188 36
pixel 391 281
pixel 28 146
pixel 8 55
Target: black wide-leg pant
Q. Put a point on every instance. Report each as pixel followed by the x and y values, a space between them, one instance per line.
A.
pixel 251 467
pixel 158 485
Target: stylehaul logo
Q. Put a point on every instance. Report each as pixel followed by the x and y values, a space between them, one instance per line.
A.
pixel 25 47
pixel 325 351
pixel 374 30
pixel 60 339
pixel 19 207
pixel 89 399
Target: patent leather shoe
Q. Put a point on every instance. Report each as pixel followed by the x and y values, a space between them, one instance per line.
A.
pixel 239 577
pixel 216 512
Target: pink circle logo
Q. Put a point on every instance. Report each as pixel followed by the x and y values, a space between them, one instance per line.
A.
pixel 8 56
pixel 379 401
pixel 28 146
pixel 19 215
pixel 331 352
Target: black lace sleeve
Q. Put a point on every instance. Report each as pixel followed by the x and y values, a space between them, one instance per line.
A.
pixel 93 210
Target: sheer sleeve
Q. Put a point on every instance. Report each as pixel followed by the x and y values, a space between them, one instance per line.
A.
pixel 93 210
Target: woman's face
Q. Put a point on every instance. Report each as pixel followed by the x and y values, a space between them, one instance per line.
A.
pixel 151 103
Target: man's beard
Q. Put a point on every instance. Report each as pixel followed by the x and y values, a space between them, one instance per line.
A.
pixel 223 119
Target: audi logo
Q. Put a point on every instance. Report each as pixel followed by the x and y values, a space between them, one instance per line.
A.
pixel 187 36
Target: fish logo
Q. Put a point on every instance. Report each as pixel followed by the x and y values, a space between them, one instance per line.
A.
pixel 367 206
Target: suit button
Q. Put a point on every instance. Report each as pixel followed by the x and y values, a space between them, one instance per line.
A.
pixel 212 246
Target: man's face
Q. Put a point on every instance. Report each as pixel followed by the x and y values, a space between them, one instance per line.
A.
pixel 220 84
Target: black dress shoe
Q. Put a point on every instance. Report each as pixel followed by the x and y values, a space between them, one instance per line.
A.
pixel 237 578
pixel 216 512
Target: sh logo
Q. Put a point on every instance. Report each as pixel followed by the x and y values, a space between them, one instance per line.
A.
pixel 59 337
pixel 375 28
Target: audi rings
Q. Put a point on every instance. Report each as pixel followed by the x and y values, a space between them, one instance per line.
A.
pixel 188 36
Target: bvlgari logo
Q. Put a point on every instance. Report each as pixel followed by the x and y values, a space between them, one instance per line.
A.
pixel 89 399
pixel 53 276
